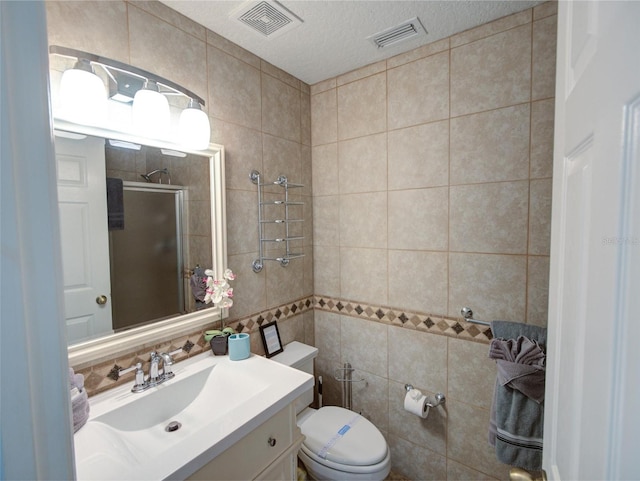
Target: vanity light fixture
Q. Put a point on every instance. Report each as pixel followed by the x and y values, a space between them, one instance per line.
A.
pixel 146 92
pixel 150 111
pixel 83 98
pixel 193 127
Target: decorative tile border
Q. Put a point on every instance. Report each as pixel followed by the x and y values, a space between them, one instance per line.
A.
pixel 445 326
pixel 104 376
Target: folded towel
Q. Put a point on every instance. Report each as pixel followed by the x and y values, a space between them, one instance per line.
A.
pixel 115 204
pixel 79 400
pixel 516 425
pixel 520 365
pixel 198 286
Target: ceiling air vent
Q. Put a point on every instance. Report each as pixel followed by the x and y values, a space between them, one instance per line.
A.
pixel 269 18
pixel 405 31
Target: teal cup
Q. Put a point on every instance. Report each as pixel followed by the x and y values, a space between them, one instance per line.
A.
pixel 239 346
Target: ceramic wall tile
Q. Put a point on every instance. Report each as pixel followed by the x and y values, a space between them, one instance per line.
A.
pixel 242 152
pixel 324 169
pixel 328 335
pixel 471 374
pixel 418 92
pixel 242 225
pixel 324 117
pixel 361 73
pixel 460 472
pixel 326 222
pixel 232 49
pixel 418 360
pixel 171 16
pixel 489 217
pixel 491 73
pixel 415 462
pixel 326 271
pixel 542 120
pixel 165 50
pixel 538 290
pixel 545 9
pixel 544 58
pixel 430 433
pixel 540 216
pixel 280 109
pixel 419 156
pixel 491 146
pixel 418 280
pixel 280 157
pixel 363 274
pixel 364 345
pixel 491 28
pixel 96 27
pixel 467 439
pixel 369 397
pixel 362 164
pixel 494 286
pixel 234 90
pixel 284 283
pixel 418 53
pixel 362 107
pixel 363 220
pixel 419 218
pixel 249 288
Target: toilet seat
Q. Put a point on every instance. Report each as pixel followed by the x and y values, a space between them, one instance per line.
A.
pixel 343 440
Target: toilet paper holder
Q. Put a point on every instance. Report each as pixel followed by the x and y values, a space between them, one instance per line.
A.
pixel 439 397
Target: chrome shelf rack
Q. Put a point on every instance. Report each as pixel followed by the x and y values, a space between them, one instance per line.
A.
pixel 285 221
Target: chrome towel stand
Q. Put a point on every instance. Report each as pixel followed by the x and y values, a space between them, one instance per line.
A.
pixel 285 220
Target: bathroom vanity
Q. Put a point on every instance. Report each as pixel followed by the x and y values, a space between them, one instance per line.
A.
pixel 235 421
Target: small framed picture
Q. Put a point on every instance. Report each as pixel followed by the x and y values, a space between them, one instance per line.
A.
pixel 271 339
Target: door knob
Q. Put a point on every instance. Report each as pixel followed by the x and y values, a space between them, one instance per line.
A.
pixel 102 300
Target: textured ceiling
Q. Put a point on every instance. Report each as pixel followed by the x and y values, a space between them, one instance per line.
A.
pixel 333 36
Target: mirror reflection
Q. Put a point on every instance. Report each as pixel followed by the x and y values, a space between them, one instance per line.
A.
pixel 135 224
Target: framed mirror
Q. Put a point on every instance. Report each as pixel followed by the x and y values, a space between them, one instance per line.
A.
pixel 193 212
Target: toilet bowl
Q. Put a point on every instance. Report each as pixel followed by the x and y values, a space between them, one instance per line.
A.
pixel 339 444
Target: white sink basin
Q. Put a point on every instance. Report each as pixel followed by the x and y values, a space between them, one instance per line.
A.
pixel 215 400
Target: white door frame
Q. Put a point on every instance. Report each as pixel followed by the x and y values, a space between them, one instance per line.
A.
pixel 37 438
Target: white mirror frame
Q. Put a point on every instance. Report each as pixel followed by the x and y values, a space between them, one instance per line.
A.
pixel 113 345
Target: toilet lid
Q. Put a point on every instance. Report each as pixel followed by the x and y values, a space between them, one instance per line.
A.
pixel 343 437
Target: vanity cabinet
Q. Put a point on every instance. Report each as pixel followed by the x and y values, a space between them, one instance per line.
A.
pixel 269 452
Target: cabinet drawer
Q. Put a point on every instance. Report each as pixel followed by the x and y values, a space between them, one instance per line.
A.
pixel 253 453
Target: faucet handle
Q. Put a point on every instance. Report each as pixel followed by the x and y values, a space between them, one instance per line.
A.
pixel 167 362
pixel 139 385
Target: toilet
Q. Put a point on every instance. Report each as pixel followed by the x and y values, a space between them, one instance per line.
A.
pixel 339 444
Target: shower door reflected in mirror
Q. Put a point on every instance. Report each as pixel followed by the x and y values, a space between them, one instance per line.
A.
pixel 146 256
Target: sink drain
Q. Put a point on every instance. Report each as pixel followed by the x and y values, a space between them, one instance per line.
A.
pixel 173 426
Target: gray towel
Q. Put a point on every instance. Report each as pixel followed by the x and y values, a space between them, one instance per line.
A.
pixel 79 400
pixel 516 426
pixel 115 204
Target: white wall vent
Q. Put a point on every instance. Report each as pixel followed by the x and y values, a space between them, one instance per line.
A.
pixel 267 17
pixel 406 30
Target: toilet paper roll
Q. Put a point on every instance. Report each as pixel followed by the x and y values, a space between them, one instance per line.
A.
pixel 416 403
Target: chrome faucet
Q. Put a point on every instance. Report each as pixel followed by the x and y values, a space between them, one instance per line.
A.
pixel 156 376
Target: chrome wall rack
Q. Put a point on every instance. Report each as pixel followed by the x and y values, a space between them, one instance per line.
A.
pixel 283 221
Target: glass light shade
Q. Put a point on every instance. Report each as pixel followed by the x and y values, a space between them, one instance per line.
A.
pixel 150 113
pixel 193 128
pixel 83 97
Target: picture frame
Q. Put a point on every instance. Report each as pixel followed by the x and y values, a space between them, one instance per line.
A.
pixel 271 339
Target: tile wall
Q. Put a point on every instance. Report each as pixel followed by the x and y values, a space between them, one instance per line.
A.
pixel 432 191
pixel 259 113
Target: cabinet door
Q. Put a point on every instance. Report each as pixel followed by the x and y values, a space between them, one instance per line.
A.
pixel 254 453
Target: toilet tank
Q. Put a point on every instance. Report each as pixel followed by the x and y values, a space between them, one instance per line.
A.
pixel 299 356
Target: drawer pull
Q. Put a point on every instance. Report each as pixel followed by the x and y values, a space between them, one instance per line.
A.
pixel 271 442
